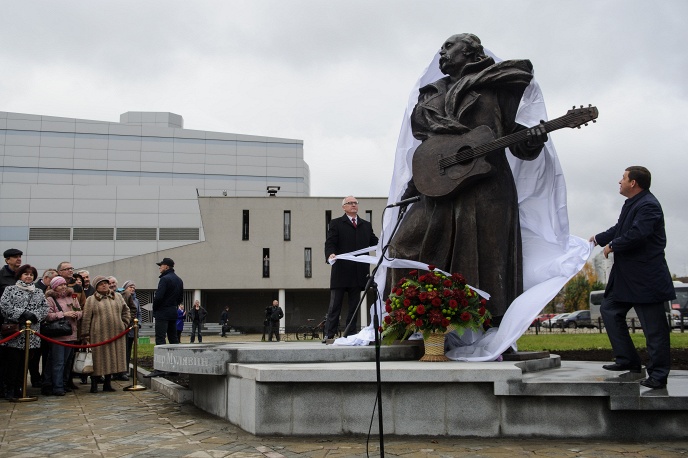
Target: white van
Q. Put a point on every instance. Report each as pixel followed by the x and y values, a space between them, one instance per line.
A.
pixel 673 308
pixel 680 305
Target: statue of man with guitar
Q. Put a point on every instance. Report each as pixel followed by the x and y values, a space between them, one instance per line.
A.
pixel 467 219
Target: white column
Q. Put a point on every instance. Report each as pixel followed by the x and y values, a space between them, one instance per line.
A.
pixel 283 303
pixel 363 313
pixel 197 297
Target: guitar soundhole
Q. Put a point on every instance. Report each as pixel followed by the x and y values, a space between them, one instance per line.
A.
pixel 463 156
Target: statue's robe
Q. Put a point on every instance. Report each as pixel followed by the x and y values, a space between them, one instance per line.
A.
pixel 475 232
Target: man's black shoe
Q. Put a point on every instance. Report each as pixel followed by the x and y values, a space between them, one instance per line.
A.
pixel 653 383
pixel 121 377
pixel 155 373
pixel 621 367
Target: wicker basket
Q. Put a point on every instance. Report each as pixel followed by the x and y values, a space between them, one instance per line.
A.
pixel 434 347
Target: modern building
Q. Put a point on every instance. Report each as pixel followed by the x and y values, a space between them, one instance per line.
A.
pixel 115 197
pixel 602 266
pixel 256 249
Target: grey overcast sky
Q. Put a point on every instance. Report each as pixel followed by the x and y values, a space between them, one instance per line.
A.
pixel 337 74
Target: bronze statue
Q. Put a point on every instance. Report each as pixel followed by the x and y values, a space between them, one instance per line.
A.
pixel 467 219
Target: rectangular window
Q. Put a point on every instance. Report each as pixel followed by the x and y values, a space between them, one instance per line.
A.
pixel 244 226
pixel 369 216
pixel 179 233
pixel 308 262
pixel 328 218
pixel 50 233
pixel 266 262
pixel 137 233
pixel 287 225
pixel 93 233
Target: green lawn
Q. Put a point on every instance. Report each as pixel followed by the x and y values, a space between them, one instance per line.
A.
pixel 554 342
pixel 146 349
pixel 549 342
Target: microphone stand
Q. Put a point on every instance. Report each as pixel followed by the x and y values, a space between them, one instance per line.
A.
pixel 376 326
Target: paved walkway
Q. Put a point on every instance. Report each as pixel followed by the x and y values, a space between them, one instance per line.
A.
pixel 147 424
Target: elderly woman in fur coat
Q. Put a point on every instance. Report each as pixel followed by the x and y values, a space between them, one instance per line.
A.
pixel 105 316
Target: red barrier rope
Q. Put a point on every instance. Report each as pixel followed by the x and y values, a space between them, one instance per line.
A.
pixel 10 337
pixel 64 344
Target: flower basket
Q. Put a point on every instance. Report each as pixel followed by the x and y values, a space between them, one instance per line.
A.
pixel 432 303
pixel 434 347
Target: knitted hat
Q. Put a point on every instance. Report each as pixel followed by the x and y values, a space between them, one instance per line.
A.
pixel 128 283
pixel 99 279
pixel 57 281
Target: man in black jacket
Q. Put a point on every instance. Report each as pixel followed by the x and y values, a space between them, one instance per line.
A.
pixel 13 260
pixel 345 234
pixel 44 282
pixel 169 295
pixel 276 315
pixel 639 279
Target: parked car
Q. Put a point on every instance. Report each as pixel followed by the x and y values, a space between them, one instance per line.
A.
pixel 579 319
pixel 555 320
pixel 560 320
pixel 541 318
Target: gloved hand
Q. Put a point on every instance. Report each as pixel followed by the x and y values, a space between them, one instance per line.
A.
pixel 536 135
pixel 28 316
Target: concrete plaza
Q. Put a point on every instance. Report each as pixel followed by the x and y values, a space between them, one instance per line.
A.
pixel 147 424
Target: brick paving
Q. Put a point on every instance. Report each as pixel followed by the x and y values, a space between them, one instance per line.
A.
pixel 147 424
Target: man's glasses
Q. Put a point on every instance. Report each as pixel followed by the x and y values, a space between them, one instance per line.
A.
pixel 351 203
pixel 68 268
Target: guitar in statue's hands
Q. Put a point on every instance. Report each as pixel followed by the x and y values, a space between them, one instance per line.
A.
pixel 443 164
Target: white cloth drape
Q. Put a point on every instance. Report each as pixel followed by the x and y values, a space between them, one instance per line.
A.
pixel 551 256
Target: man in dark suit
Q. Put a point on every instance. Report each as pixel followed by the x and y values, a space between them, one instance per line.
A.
pixel 168 296
pixel 345 234
pixel 639 279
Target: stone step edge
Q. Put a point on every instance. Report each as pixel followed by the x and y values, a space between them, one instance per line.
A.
pixel 170 390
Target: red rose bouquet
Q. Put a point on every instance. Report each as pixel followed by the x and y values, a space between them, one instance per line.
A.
pixel 432 302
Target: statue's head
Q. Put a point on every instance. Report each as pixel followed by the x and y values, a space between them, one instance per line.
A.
pixel 459 50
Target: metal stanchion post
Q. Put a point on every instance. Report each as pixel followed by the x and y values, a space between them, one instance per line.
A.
pixel 135 386
pixel 27 345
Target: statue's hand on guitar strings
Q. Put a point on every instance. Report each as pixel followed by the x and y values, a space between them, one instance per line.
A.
pixel 536 135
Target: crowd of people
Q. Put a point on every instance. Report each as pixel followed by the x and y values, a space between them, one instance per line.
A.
pixel 96 310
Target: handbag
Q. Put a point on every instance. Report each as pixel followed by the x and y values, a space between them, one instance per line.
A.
pixel 83 362
pixel 7 329
pixel 57 328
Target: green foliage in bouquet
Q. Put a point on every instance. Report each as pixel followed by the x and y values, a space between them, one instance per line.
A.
pixel 432 302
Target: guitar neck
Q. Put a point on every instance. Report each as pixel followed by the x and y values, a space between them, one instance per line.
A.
pixel 499 143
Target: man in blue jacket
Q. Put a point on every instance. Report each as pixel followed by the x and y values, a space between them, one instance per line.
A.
pixel 169 295
pixel 639 279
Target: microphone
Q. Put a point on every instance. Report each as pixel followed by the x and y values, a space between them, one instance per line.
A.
pixel 405 202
